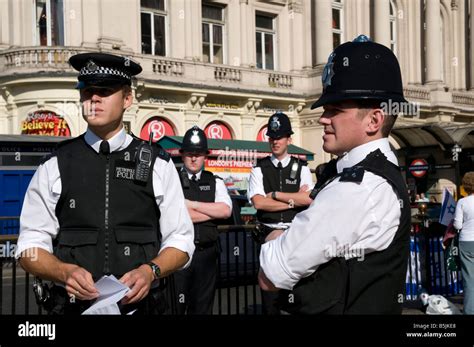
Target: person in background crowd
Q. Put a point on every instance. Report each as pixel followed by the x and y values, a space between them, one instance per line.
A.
pixel 464 221
pixel 278 188
pixel 208 202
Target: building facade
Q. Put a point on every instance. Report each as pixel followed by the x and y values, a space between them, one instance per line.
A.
pixel 227 65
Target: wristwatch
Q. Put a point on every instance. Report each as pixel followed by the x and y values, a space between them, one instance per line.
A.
pixel 155 268
pixel 291 203
pixel 274 195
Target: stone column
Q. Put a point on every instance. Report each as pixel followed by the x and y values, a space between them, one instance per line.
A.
pixel 433 54
pixel 244 43
pixel 382 22
pixel 471 53
pixel 323 17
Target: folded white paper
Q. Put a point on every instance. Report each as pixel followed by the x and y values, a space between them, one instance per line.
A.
pixel 111 291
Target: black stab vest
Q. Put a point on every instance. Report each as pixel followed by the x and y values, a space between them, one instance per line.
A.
pixel 375 285
pixel 279 180
pixel 109 223
pixel 204 190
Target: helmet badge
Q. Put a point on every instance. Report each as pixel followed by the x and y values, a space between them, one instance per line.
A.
pixel 195 137
pixel 328 72
pixel 275 124
pixel 91 66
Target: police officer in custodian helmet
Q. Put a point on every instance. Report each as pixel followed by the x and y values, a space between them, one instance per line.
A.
pixel 208 203
pixel 347 253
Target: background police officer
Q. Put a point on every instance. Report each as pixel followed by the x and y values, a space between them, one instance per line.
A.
pixel 347 253
pixel 278 188
pixel 105 202
pixel 208 202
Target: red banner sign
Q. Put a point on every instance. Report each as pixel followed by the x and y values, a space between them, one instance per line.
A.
pixel 262 134
pixel 217 130
pixel 45 123
pixel 159 127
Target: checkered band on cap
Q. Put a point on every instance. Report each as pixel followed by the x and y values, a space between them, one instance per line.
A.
pixel 93 69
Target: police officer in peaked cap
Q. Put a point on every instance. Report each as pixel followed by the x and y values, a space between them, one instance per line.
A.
pixel 208 205
pixel 110 204
pixel 279 188
pixel 347 253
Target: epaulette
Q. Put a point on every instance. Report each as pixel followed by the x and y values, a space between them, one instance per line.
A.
pixel 352 174
pixel 162 154
pixel 264 162
pixel 303 162
pixel 68 141
pixel 46 157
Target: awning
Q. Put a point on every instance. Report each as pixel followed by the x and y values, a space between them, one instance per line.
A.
pixel 444 135
pixel 172 144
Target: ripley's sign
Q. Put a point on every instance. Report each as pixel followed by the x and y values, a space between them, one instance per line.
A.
pixel 45 123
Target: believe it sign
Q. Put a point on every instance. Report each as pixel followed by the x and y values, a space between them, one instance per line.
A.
pixel 45 123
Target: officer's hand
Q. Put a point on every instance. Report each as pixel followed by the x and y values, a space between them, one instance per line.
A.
pixel 79 283
pixel 139 281
pixel 303 188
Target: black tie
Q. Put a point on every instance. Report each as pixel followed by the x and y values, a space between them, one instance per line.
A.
pixel 279 165
pixel 104 147
pixel 194 178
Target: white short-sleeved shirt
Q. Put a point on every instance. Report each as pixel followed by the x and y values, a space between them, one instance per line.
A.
pixel 345 219
pixel 256 183
pixel 39 224
pixel 464 218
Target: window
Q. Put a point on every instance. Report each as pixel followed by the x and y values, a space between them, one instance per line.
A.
pixel 337 18
pixel 212 34
pixel 393 28
pixel 153 25
pixel 49 16
pixel 265 41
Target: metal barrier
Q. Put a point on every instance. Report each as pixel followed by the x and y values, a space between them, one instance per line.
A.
pixel 237 290
pixel 16 294
pixel 427 269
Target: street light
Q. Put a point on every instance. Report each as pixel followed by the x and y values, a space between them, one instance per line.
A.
pixel 455 150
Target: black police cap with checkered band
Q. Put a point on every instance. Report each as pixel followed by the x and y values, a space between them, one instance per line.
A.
pixel 101 69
